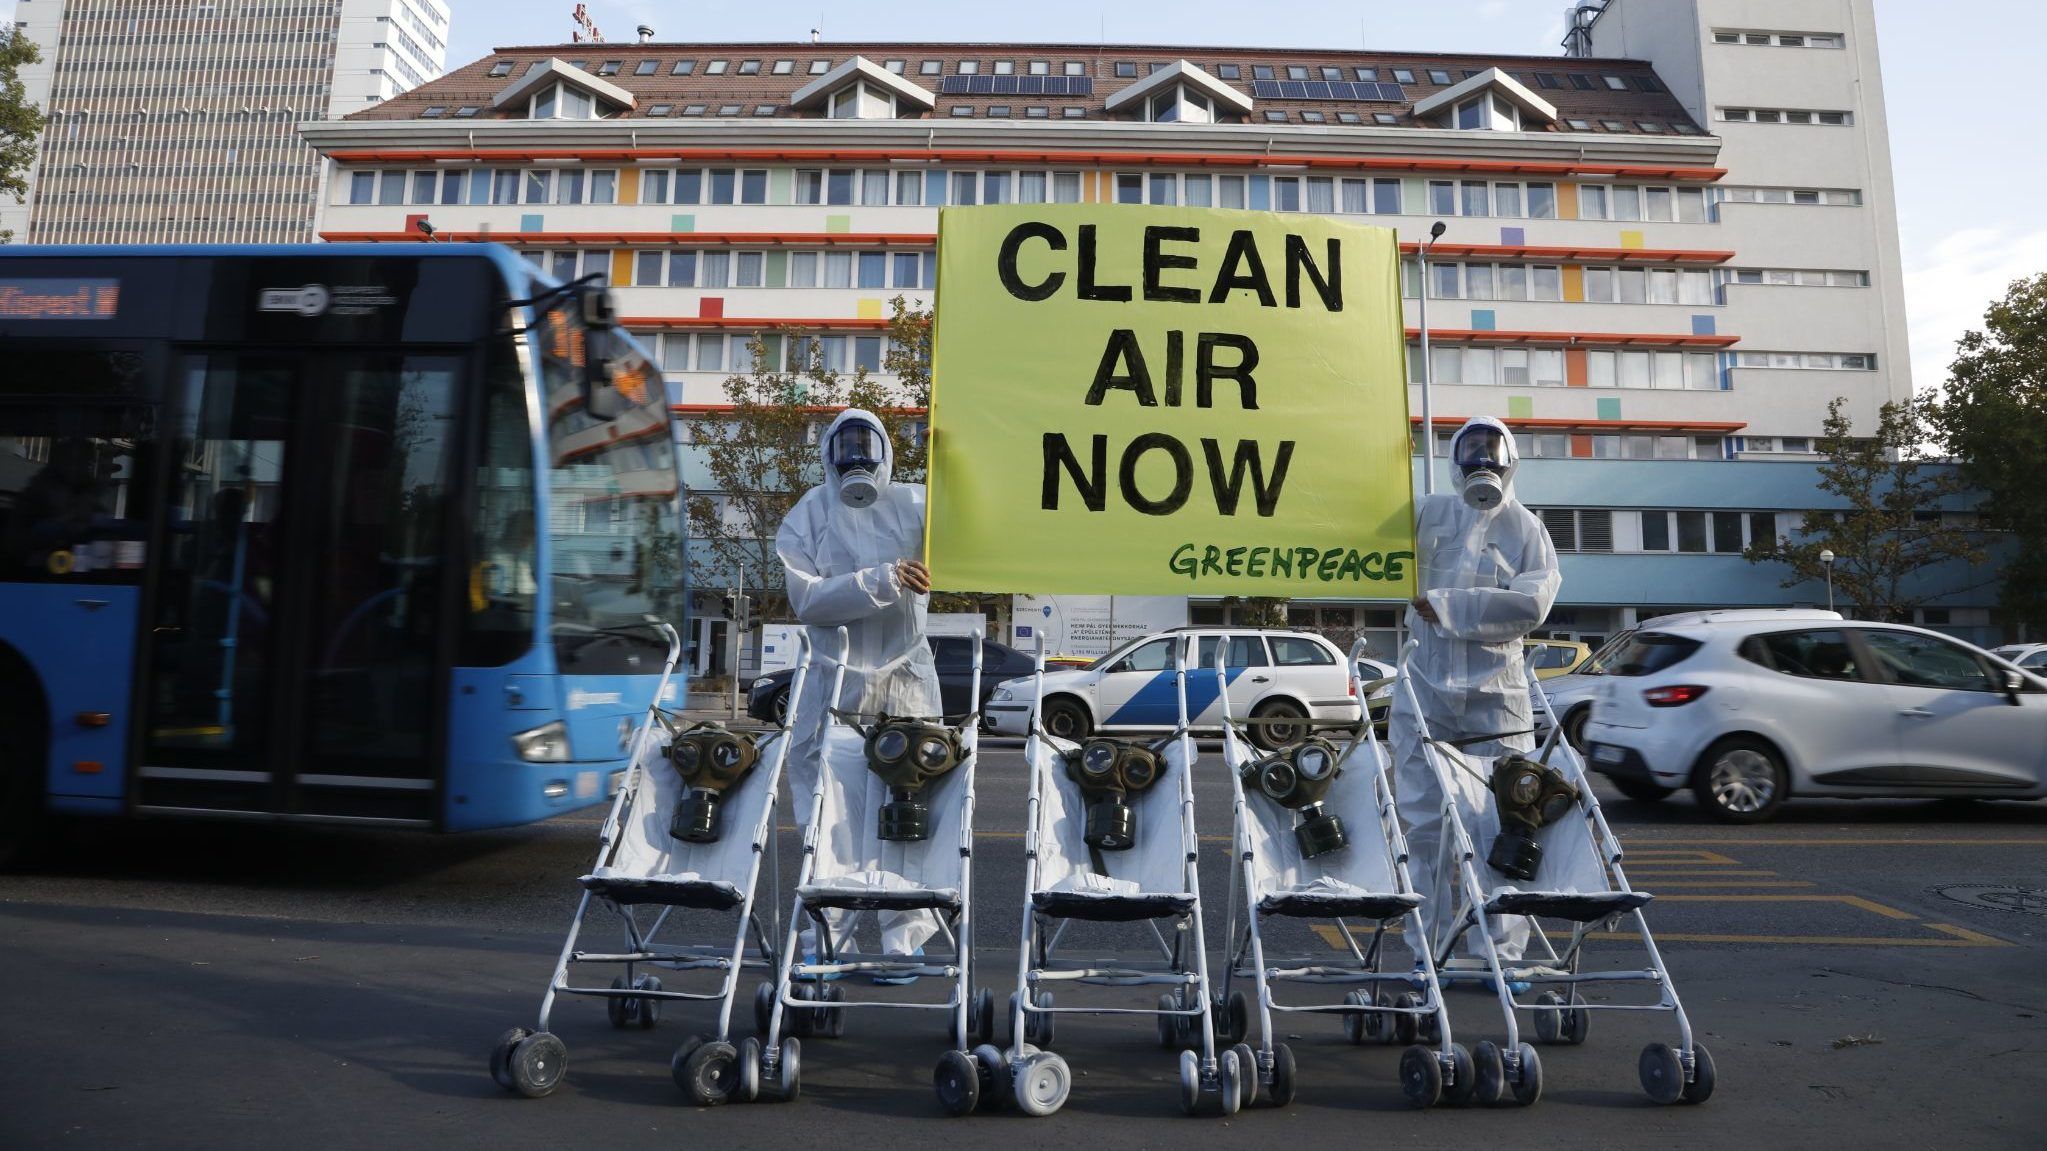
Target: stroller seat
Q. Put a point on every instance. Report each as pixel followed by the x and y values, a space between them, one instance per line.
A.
pixel 650 867
pixel 687 889
pixel 1106 899
pixel 1576 906
pixel 877 890
pixel 1327 897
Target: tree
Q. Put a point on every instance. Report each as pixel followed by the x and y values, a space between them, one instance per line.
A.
pixel 21 123
pixel 761 453
pixel 1994 418
pixel 1892 529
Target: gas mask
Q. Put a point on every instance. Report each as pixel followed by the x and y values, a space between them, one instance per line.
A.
pixel 1110 772
pixel 1298 779
pixel 908 754
pixel 711 761
pixel 1530 797
pixel 1482 459
pixel 857 454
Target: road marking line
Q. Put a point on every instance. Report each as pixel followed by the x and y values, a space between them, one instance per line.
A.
pixel 1699 857
pixel 1851 900
pixel 1803 940
pixel 1687 873
pixel 1739 883
pixel 2036 842
pixel 1971 936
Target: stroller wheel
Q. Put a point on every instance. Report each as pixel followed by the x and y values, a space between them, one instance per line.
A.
pixel 1038 1028
pixel 802 1021
pixel 711 1074
pixel 1282 1075
pixel 1462 1082
pixel 763 1007
pixel 1229 1075
pixel 749 1070
pixel 1169 1029
pixel 831 1021
pixel 1700 1088
pixel 619 1008
pixel 1527 1083
pixel 1421 1077
pixel 1406 1027
pixel 993 1070
pixel 981 1019
pixel 1663 1074
pixel 1549 1017
pixel 1576 1022
pixel 1042 1084
pixel 501 1056
pixel 1247 1075
pixel 647 1010
pixel 537 1065
pixel 958 1082
pixel 789 1070
pixel 680 1060
pixel 1190 1082
pixel 1232 1019
pixel 1489 1074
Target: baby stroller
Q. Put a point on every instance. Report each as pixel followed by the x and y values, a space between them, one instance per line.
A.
pixel 1109 838
pixel 896 843
pixel 1317 838
pixel 1569 866
pixel 687 832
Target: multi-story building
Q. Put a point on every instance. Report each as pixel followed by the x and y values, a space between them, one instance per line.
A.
pixel 1660 264
pixel 174 121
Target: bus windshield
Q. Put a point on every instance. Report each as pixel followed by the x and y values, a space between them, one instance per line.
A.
pixel 613 523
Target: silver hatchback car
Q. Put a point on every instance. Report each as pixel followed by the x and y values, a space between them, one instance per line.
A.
pixel 1749 712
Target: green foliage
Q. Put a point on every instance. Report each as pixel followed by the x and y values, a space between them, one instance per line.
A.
pixel 21 122
pixel 762 452
pixel 1892 527
pixel 1994 418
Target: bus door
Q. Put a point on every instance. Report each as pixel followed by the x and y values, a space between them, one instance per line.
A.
pixel 300 653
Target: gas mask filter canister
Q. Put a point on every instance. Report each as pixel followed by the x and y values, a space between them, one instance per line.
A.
pixel 1110 772
pixel 711 760
pixel 1483 491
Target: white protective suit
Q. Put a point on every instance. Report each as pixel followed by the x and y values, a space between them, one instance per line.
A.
pixel 1491 577
pixel 839 563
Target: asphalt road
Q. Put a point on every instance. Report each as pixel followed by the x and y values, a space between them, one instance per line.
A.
pixel 1865 974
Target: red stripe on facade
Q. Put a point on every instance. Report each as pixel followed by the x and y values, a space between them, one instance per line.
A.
pixel 1573 253
pixel 1575 339
pixel 662 239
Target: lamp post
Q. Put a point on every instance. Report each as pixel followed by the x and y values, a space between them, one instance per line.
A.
pixel 1428 369
pixel 1827 562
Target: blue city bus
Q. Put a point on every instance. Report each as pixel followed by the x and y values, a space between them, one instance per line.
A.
pixel 366 534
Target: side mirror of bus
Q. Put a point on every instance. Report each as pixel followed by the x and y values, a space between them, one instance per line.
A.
pixel 600 395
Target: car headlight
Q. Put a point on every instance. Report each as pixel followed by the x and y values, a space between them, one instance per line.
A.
pixel 1003 693
pixel 548 743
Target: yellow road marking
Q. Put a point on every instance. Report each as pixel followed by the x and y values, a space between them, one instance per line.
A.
pixel 2032 842
pixel 1738 883
pixel 1814 940
pixel 1688 873
pixel 1971 936
pixel 1851 900
pixel 1659 857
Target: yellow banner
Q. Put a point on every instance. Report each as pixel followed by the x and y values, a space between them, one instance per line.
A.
pixel 1168 401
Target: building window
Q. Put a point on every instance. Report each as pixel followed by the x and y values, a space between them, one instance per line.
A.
pixel 646 67
pixel 785 67
pixel 501 68
pixel 1275 117
pixel 1073 112
pixel 1808 361
pixel 749 67
pixel 683 68
pixel 968 67
pixel 1126 70
pixel 1436 76
pixel 1179 104
pixel 715 68
pixel 1403 75
pixel 610 67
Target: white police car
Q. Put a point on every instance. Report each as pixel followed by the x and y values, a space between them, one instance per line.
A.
pixel 1274 674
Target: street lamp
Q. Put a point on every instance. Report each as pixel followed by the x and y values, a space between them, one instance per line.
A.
pixel 1428 369
pixel 1827 562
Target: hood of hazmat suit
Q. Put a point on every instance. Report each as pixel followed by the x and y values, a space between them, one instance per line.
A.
pixel 839 562
pixel 1490 573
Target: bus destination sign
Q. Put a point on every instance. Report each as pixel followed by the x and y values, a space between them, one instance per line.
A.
pixel 59 299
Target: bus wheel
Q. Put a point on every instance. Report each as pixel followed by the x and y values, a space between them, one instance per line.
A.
pixel 23 716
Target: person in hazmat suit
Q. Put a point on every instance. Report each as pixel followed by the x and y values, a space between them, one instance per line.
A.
pixel 849 551
pixel 1488 575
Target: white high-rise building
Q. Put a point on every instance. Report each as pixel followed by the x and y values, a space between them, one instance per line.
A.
pixel 177 120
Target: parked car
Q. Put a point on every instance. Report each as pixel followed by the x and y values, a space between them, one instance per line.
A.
pixel 2031 656
pixel 1274 674
pixel 768 699
pixel 1748 712
pixel 1067 662
pixel 1557 657
pixel 1379 700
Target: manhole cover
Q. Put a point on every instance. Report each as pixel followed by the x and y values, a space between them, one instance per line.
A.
pixel 1996 896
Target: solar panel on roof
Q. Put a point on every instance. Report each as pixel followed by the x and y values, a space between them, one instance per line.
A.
pixel 1293 90
pixel 1326 90
pixel 1080 86
pixel 1005 85
pixel 981 85
pixel 952 86
pixel 1030 85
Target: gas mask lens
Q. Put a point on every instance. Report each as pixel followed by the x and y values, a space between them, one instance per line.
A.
pixel 1298 779
pixel 1530 796
pixel 711 761
pixel 1110 772
pixel 908 754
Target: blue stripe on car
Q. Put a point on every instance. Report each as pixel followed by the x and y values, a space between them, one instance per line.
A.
pixel 1156 704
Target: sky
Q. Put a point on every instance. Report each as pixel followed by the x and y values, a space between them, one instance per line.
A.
pixel 1957 81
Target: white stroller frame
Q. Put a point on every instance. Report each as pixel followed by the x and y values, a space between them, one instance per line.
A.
pixel 1668 1075
pixel 801 983
pixel 534 1062
pixel 1416 1010
pixel 1040 1080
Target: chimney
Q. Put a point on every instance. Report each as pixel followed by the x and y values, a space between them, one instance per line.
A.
pixel 646 34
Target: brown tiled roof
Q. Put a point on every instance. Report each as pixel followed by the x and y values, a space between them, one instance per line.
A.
pixel 662 93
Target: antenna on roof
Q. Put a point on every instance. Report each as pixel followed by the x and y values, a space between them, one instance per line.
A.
pixel 816 34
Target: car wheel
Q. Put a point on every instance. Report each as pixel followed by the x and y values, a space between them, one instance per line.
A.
pixel 1066 719
pixel 1278 732
pixel 1741 780
pixel 781 708
pixel 1641 789
pixel 1574 728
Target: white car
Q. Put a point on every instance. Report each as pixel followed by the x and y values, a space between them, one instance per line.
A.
pixel 1748 712
pixel 1273 674
pixel 2031 656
